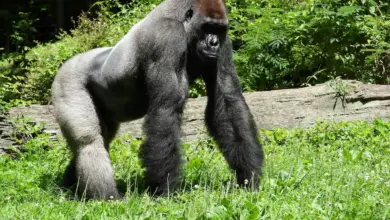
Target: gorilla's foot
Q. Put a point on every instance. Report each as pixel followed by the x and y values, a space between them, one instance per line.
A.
pixel 162 189
pixel 248 179
pixel 95 174
pixel 162 186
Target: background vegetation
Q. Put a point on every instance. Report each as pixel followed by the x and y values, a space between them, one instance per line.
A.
pixel 278 44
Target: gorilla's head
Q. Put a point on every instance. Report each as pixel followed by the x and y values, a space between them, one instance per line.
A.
pixel 206 24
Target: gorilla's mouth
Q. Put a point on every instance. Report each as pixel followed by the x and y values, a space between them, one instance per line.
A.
pixel 209 54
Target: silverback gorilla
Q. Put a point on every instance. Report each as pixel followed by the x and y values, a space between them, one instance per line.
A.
pixel 147 73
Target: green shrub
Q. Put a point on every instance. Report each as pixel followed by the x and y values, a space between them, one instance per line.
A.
pixel 313 41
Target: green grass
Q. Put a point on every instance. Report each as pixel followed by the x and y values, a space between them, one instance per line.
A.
pixel 331 171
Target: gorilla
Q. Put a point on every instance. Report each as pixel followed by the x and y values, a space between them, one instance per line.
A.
pixel 148 73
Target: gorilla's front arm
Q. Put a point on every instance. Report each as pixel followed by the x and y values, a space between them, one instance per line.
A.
pixel 167 87
pixel 230 122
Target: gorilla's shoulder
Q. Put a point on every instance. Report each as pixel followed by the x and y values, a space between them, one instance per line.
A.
pixel 163 29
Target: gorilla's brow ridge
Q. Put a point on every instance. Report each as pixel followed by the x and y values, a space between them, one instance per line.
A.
pixel 212 8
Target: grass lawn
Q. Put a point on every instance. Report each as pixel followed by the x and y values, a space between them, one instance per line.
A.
pixel 331 171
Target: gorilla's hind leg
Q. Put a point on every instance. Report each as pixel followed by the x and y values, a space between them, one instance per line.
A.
pixel 90 168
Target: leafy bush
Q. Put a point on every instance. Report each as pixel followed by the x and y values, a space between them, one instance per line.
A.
pixel 315 40
pixel 11 80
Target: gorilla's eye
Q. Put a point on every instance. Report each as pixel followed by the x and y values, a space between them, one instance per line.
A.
pixel 189 14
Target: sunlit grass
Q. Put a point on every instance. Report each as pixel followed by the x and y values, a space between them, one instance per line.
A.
pixel 331 171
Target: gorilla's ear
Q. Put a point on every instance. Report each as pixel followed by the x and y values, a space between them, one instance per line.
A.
pixel 189 15
pixel 215 9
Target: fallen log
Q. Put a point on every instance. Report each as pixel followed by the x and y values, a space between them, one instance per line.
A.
pixel 288 108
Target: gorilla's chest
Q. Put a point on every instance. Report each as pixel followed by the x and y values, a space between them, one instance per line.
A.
pixel 123 100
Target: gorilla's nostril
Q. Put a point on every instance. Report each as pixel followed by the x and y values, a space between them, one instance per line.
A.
pixel 214 42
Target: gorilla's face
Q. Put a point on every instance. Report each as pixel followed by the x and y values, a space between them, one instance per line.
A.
pixel 211 36
pixel 206 25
